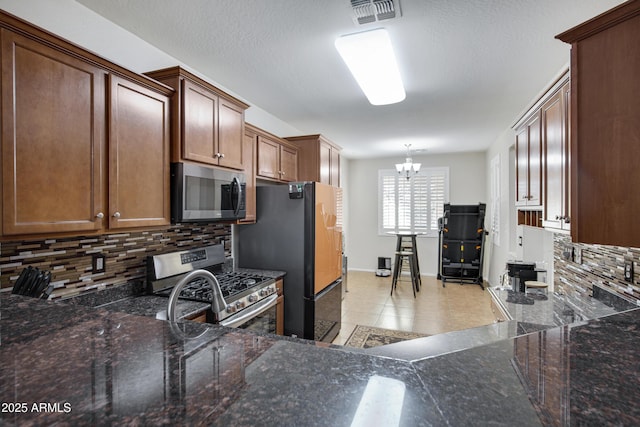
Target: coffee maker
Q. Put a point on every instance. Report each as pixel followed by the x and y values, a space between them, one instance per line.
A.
pixel 519 272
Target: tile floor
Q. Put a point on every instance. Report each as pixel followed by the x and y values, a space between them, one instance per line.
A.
pixel 435 309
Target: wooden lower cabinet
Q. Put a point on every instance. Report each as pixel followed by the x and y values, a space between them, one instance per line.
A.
pixel 280 308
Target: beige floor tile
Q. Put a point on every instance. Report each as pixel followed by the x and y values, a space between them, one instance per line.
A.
pixel 434 310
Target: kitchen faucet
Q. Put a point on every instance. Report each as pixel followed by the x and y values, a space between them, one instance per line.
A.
pixel 217 301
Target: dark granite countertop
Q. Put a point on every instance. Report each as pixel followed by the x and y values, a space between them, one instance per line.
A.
pixel 87 366
pixel 552 309
pixel 132 299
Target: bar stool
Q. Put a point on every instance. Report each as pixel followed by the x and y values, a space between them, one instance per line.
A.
pixel 406 242
pixel 397 270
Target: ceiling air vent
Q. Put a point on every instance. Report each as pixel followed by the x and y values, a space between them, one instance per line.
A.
pixel 366 11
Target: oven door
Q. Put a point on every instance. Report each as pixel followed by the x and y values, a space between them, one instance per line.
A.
pixel 259 317
pixel 201 193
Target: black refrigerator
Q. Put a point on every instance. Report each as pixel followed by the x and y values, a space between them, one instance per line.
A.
pixel 298 230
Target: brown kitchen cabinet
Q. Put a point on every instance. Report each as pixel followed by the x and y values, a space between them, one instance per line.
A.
pixel 319 159
pixel 53 146
pixel 139 148
pixel 209 127
pixel 280 307
pixel 528 162
pixel 555 142
pixel 249 163
pixel 66 113
pixel 277 160
pixel 605 127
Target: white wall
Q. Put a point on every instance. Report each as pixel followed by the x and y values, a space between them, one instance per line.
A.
pixel 502 250
pixel 467 176
pixel 80 25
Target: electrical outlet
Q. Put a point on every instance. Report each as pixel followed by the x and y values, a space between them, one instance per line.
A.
pixel 97 263
pixel 628 271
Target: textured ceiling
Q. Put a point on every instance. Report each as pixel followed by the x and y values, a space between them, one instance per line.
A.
pixel 470 68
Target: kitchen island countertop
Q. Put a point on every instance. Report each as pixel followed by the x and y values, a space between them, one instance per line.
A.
pixel 81 366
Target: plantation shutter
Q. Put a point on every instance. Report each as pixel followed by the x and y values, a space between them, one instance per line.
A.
pixel 413 204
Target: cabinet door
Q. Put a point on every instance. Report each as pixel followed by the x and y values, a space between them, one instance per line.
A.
pixel 268 158
pixel 325 163
pixel 249 163
pixel 52 140
pixel 553 139
pixel 139 156
pixel 288 164
pixel 335 167
pixel 230 134
pixel 535 163
pixel 522 166
pixel 528 163
pixel 199 123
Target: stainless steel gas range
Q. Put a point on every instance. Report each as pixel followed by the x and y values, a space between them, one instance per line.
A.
pixel 238 299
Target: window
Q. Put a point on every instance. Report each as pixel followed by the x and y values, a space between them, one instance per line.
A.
pixel 412 204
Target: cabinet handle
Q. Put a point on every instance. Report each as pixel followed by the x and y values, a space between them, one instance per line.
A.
pixel 99 215
pixel 557 217
pixel 116 215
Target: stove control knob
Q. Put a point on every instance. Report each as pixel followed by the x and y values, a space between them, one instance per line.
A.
pixel 264 292
pixel 239 304
pixel 252 298
pixel 231 309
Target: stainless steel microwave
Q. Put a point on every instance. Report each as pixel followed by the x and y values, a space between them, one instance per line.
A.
pixel 204 194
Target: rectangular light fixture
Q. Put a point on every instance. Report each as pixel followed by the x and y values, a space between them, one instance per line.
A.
pixel 370 58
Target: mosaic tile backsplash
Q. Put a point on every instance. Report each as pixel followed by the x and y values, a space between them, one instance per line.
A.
pixel 578 267
pixel 70 258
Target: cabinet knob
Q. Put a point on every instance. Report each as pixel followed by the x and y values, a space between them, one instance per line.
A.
pixel 116 215
pixel 282 172
pixel 99 215
pixel 557 217
pixel 567 220
pixel 221 155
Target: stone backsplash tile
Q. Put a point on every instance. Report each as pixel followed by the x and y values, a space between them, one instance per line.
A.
pixel 69 259
pixel 579 267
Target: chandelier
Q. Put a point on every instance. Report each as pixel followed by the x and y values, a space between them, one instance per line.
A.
pixel 408 166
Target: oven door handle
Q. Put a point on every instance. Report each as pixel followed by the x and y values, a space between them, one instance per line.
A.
pixel 251 312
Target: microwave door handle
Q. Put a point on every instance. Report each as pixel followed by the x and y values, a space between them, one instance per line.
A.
pixel 236 183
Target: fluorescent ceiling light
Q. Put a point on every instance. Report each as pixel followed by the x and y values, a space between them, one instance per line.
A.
pixel 369 56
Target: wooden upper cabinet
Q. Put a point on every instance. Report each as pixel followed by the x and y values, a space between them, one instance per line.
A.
pixel 249 163
pixel 605 127
pixel 319 159
pixel 53 147
pixel 209 127
pixel 277 160
pixel 528 162
pixel 555 121
pixel 139 148
pixel 288 163
pixel 85 143
pixel 199 123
